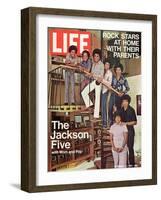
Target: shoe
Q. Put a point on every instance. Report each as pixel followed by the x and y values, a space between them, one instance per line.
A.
pixel 108 127
pixel 131 166
pixel 66 104
pixel 95 119
pixel 73 104
pixel 91 106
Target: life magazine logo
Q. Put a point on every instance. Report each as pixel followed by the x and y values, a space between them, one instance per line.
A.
pixel 61 39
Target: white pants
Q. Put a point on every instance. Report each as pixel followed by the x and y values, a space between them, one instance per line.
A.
pixel 85 95
pixel 120 159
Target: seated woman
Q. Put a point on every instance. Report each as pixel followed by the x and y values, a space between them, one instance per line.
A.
pixel 118 137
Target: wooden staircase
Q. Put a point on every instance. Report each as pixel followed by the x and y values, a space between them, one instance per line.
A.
pixel 106 160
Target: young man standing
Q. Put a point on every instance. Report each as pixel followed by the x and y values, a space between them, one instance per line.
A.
pixel 71 60
pixel 129 119
pixel 105 92
pixel 86 64
pixel 97 70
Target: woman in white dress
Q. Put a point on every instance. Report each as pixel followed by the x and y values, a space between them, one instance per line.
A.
pixel 118 136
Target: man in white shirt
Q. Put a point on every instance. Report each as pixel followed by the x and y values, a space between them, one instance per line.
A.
pixel 97 70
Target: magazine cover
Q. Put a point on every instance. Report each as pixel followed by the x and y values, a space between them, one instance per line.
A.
pixel 94 99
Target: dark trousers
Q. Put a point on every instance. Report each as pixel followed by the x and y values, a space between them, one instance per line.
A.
pixel 130 145
pixel 114 100
pixel 104 108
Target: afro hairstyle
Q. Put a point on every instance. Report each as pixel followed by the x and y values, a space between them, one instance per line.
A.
pixel 126 97
pixel 119 65
pixel 97 51
pixel 87 52
pixel 72 47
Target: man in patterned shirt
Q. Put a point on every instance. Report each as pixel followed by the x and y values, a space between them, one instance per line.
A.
pixel 119 83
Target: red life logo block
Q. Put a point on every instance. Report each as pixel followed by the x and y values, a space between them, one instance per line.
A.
pixel 61 39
